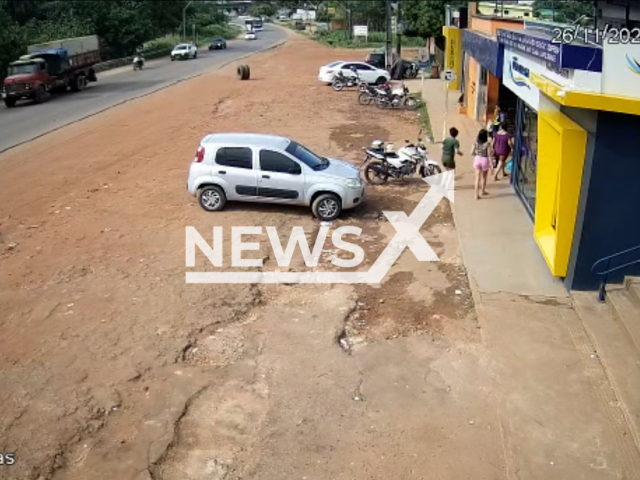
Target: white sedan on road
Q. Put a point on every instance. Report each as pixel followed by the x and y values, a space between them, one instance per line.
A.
pixel 184 51
pixel 367 72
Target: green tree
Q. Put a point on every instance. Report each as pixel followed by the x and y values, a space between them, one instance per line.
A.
pixel 566 11
pixel 12 42
pixel 268 9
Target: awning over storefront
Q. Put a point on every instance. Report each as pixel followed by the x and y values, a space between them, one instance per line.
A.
pixel 486 50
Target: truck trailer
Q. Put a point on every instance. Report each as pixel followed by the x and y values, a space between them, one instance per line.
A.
pixel 50 67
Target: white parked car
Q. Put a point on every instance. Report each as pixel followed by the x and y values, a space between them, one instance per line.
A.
pixel 184 51
pixel 248 167
pixel 250 35
pixel 367 72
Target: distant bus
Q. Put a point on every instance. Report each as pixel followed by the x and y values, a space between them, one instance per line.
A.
pixel 254 24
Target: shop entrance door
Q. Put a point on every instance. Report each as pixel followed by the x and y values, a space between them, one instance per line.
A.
pixel 525 156
pixel 481 101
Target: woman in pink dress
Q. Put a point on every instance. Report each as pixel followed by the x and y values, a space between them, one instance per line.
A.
pixel 482 152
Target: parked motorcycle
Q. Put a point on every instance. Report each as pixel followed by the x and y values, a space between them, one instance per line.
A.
pixel 138 62
pixel 396 97
pixel 368 94
pixel 341 81
pixel 411 70
pixel 382 163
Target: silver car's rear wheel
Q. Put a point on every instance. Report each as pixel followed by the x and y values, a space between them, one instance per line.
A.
pixel 212 198
pixel 327 207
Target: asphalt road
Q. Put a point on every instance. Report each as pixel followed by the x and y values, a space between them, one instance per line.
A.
pixel 27 121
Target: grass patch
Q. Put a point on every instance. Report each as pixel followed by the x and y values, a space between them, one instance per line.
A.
pixel 161 47
pixel 340 39
pixel 425 121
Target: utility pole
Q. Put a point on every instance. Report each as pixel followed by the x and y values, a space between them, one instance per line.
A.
pixel 184 21
pixel 399 31
pixel 388 50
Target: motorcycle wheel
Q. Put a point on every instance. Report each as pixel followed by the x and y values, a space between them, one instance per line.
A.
pixel 382 104
pixel 365 99
pixel 373 177
pixel 337 85
pixel 430 170
pixel 411 103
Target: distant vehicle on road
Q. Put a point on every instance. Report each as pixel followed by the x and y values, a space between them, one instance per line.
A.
pixel 218 44
pixel 184 51
pixel 253 24
pixel 270 169
pixel 283 18
pixel 366 72
pixel 250 36
pixel 50 67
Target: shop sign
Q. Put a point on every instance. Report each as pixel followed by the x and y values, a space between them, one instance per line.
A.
pixel 541 48
pixel 517 77
pixel 621 74
pixel 567 56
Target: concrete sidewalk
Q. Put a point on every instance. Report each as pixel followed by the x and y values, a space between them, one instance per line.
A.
pixel 559 416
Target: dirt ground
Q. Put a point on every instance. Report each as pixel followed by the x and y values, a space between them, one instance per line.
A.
pixel 111 366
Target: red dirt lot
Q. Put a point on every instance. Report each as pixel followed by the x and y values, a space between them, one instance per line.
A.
pixel 111 366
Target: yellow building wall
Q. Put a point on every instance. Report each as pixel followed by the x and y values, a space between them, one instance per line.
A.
pixel 453 53
pixel 472 88
pixel 561 154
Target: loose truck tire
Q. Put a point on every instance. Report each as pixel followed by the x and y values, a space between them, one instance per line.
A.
pixel 10 102
pixel 244 72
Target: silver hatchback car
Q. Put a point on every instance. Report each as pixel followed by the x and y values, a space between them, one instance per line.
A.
pixel 269 169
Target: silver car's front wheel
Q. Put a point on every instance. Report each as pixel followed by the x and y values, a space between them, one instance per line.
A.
pixel 327 207
pixel 212 198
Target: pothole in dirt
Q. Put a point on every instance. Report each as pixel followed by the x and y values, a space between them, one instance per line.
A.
pixel 399 308
pixel 353 135
pixel 223 347
pixel 222 107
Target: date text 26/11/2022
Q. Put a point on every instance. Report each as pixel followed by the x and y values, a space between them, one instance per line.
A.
pixel 612 35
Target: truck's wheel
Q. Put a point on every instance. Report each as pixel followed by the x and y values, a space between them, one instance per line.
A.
pixel 10 102
pixel 79 83
pixel 41 94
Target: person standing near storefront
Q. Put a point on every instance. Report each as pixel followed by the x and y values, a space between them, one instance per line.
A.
pixel 502 145
pixel 450 147
pixel 493 126
pixel 482 152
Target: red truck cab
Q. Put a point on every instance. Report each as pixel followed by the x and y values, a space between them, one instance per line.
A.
pixel 27 79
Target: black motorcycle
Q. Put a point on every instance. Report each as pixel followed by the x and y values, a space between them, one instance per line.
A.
pixel 387 98
pixel 411 69
pixel 341 81
pixel 368 94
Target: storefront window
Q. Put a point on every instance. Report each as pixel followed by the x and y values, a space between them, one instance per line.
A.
pixel 526 156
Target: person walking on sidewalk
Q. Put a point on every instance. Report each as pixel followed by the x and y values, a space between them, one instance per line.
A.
pixel 450 147
pixel 482 152
pixel 502 145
